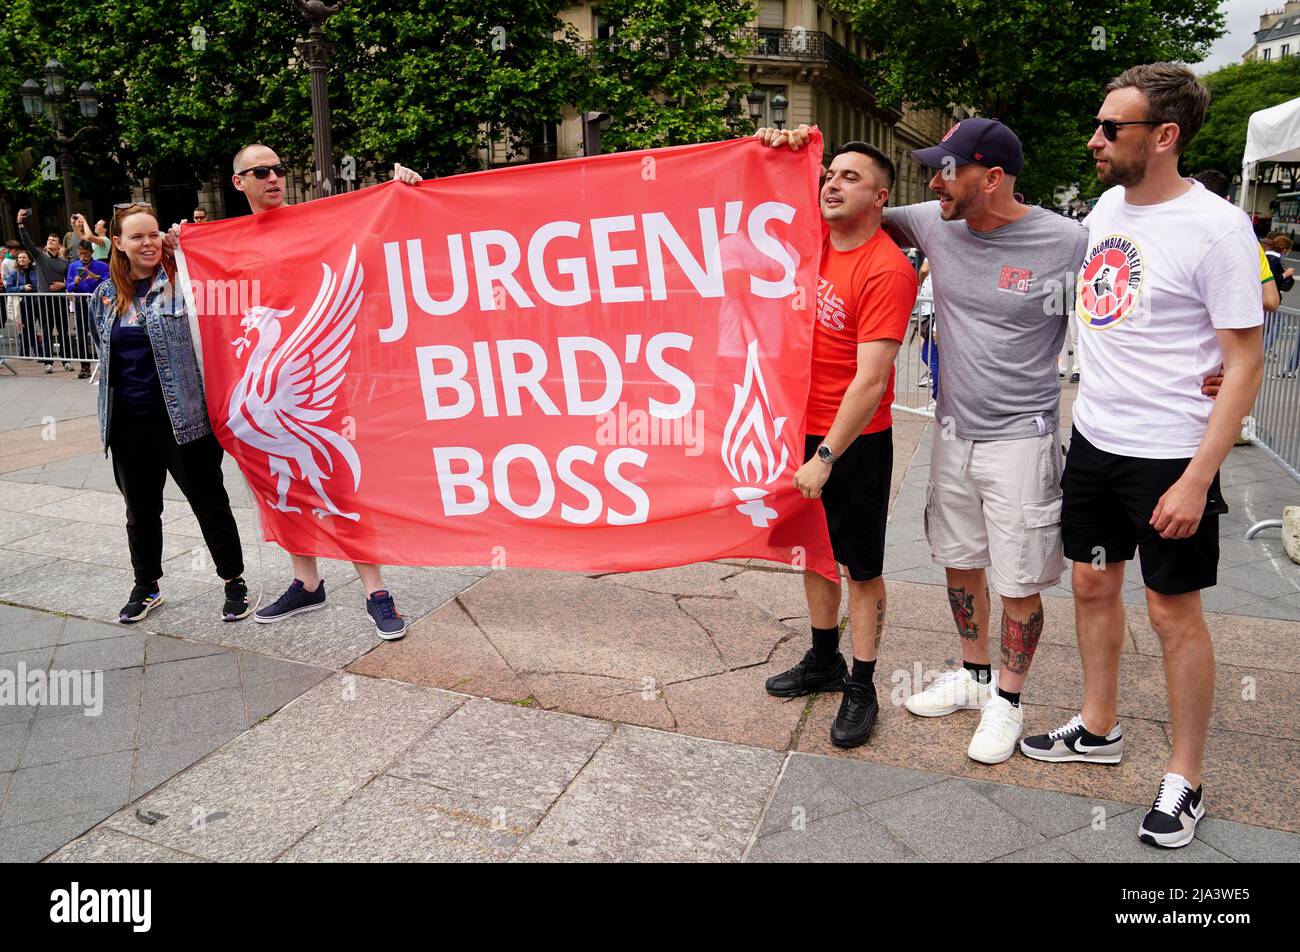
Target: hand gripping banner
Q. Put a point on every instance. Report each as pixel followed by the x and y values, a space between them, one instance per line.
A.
pixel 597 365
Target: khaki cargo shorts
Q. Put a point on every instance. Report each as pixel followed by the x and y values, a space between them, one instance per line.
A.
pixel 996 504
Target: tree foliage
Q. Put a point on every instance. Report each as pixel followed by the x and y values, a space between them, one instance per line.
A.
pixel 666 74
pixel 1038 65
pixel 430 82
pixel 1236 91
pixel 182 84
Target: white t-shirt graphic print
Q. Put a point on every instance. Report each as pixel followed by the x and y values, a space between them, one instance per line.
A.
pixel 1155 284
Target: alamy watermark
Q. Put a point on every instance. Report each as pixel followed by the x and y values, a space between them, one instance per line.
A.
pixel 20 687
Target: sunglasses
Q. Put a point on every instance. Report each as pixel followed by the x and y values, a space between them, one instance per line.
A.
pixel 261 172
pixel 1110 128
pixel 123 206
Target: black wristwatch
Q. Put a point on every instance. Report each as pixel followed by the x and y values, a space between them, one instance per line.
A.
pixel 826 454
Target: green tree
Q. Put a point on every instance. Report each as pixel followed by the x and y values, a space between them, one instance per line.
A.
pixel 180 85
pixel 22 142
pixel 1037 65
pixel 430 82
pixel 1236 91
pixel 183 83
pixel 668 70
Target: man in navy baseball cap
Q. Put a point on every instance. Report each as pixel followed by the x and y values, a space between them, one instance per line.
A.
pixel 998 267
pixel 975 163
pixel 985 142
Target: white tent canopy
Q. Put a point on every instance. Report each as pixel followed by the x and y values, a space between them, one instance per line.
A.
pixel 1273 135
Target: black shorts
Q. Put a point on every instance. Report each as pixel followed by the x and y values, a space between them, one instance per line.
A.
pixel 856 500
pixel 1107 510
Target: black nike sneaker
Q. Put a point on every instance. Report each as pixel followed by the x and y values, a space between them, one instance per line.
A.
pixel 808 676
pixel 1073 742
pixel 857 715
pixel 1173 817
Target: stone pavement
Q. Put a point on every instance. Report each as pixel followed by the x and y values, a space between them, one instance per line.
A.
pixel 548 716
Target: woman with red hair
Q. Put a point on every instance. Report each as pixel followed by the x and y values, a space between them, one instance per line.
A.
pixel 152 415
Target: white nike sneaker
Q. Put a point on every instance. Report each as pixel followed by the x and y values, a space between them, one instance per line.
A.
pixel 1000 726
pixel 952 691
pixel 1072 742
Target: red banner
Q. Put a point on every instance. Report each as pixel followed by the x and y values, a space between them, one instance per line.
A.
pixel 598 365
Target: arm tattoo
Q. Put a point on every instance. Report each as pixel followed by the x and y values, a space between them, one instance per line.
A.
pixel 963 612
pixel 880 621
pixel 1019 641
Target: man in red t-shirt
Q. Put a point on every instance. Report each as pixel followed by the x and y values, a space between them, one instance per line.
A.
pixel 864 299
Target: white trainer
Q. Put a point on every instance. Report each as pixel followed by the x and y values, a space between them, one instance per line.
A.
pixel 1000 727
pixel 952 691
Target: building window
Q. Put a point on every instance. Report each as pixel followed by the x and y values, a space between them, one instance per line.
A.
pixel 771 14
pixel 771 28
pixel 765 118
pixel 1286 50
pixel 605 27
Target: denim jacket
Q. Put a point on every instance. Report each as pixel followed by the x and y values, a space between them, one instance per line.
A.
pixel 167 323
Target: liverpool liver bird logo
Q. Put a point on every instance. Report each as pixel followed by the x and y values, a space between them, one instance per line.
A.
pixel 289 387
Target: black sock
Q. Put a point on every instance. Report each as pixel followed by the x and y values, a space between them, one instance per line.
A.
pixel 982 673
pixel 826 644
pixel 1013 698
pixel 862 672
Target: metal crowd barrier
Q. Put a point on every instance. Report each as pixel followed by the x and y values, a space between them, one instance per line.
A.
pixel 46 328
pixel 1274 423
pixel 913 391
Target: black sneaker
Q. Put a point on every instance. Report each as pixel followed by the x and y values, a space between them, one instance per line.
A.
pixel 858 710
pixel 144 598
pixel 1173 817
pixel 237 605
pixel 295 600
pixel 382 611
pixel 808 676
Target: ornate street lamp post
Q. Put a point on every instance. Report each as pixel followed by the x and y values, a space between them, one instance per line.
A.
pixel 316 51
pixel 49 101
pixel 779 105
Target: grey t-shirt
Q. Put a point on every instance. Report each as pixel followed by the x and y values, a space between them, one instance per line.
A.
pixel 1001 301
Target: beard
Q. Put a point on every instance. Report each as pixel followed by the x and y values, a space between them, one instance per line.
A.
pixel 1129 172
pixel 961 206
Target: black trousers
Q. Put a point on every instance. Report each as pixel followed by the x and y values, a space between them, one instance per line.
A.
pixel 144 452
pixel 57 320
pixel 30 313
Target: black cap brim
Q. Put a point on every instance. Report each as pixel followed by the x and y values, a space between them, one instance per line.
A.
pixel 935 157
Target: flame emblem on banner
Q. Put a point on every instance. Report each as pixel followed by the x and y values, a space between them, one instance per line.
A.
pixel 750 442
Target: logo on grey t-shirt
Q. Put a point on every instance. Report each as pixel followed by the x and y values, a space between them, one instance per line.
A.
pixel 1015 280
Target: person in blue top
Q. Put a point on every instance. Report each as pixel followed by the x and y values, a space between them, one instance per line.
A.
pixel 152 414
pixel 23 280
pixel 84 275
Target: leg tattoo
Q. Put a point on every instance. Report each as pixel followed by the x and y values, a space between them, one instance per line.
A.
pixel 880 620
pixel 963 612
pixel 1019 641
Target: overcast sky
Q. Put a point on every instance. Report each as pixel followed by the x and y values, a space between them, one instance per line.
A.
pixel 1241 17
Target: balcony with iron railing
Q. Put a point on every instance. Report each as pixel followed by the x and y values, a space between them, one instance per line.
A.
pixel 796 46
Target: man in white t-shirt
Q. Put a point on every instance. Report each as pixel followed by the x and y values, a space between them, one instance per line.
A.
pixel 1169 288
